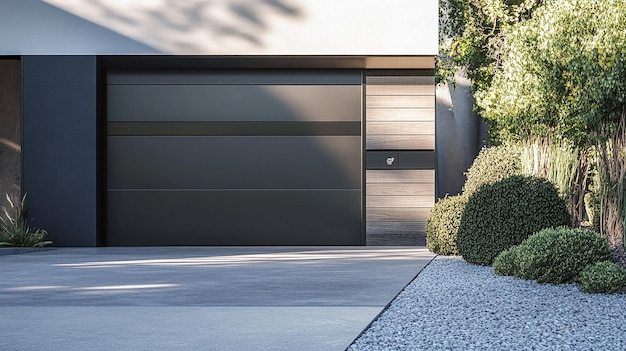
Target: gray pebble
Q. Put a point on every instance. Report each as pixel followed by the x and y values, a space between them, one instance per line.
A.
pixel 453 305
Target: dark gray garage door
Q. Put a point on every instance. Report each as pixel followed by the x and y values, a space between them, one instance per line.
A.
pixel 234 158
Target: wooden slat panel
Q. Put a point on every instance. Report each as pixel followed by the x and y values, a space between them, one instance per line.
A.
pixel 410 142
pixel 418 239
pixel 400 80
pixel 400 101
pixel 395 227
pixel 372 90
pixel 400 114
pixel 401 189
pixel 402 176
pixel 399 201
pixel 401 128
pixel 397 214
pixel 393 114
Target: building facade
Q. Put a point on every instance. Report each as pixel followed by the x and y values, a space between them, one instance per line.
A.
pixel 227 122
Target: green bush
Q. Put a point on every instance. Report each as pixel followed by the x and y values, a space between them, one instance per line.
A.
pixel 558 255
pixel 492 165
pixel 602 277
pixel 443 224
pixel 503 214
pixel 432 223
pixel 507 262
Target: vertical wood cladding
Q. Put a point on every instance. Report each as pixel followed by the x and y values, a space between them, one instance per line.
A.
pixel 400 115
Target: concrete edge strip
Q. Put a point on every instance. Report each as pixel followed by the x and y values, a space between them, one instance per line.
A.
pixel 389 304
pixel 6 251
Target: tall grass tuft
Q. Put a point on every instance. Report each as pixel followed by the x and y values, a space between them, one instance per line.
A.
pixel 611 164
pixel 564 165
pixel 14 228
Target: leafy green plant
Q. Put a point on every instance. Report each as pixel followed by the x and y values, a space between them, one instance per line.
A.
pixel 602 277
pixel 507 262
pixel 472 34
pixel 14 228
pixel 503 214
pixel 559 72
pixel 443 224
pixel 558 255
pixel 492 164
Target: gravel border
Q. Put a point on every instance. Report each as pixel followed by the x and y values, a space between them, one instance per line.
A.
pixel 453 305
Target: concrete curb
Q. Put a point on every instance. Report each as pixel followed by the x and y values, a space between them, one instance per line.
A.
pixel 5 251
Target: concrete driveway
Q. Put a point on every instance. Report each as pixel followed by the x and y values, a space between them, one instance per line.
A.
pixel 198 298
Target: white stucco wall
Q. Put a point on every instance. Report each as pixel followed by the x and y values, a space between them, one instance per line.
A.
pixel 219 27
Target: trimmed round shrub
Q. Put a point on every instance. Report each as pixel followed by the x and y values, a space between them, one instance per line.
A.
pixel 443 224
pixel 558 255
pixel 501 215
pixel 492 165
pixel 602 277
pixel 507 262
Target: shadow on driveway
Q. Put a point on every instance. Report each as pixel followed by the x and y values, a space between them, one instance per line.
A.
pixel 199 298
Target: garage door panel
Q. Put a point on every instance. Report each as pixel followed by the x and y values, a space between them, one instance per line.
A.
pixel 257 162
pixel 273 217
pixel 234 157
pixel 234 103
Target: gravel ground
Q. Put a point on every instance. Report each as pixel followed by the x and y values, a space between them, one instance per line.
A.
pixel 453 305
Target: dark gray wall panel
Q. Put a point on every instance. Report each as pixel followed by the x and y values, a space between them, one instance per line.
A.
pixel 234 217
pixel 234 103
pixel 59 146
pixel 306 162
pixel 422 159
pixel 461 134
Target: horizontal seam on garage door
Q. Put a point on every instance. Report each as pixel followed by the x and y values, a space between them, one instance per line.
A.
pixel 234 189
pixel 244 128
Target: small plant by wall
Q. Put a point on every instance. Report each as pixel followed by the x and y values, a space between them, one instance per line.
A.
pixel 443 224
pixel 14 228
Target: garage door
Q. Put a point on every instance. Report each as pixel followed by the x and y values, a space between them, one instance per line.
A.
pixel 252 157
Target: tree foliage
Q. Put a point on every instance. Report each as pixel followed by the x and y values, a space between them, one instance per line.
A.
pixel 472 35
pixel 563 73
